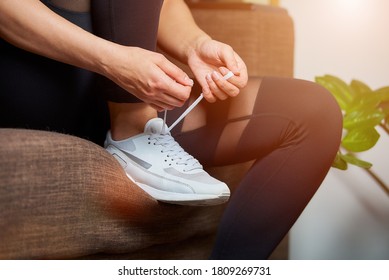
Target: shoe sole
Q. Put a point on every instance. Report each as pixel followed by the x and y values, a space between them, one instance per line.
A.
pixel 172 197
pixel 183 198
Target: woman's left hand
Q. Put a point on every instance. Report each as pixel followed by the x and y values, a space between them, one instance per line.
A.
pixel 209 61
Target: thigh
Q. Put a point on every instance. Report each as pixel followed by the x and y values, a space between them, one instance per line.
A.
pixel 269 114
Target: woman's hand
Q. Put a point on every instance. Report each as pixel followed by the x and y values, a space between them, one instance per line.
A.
pixel 32 26
pixel 210 60
pixel 150 77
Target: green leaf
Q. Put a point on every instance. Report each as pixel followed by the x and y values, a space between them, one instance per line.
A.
pixel 339 89
pixel 366 102
pixel 360 139
pixel 363 119
pixel 339 162
pixel 363 110
pixel 360 88
pixel 382 94
pixel 342 88
pixel 349 158
pixel 382 90
pixel 372 100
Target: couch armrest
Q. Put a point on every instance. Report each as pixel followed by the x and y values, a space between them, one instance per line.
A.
pixel 65 197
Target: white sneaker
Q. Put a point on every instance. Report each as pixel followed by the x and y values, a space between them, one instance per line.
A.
pixel 161 167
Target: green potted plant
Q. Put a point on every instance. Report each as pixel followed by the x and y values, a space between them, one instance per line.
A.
pixel 363 110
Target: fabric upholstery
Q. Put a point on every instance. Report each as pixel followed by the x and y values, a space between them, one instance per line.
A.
pixel 64 197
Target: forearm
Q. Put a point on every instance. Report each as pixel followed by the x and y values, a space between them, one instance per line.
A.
pixel 178 33
pixel 30 25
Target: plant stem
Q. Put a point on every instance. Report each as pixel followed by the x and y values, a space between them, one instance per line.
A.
pixel 385 128
pixel 378 180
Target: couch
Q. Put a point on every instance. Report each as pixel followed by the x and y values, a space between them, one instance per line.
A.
pixel 63 197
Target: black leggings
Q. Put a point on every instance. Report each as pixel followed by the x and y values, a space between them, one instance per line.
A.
pixel 292 134
pixel 291 131
pixel 127 22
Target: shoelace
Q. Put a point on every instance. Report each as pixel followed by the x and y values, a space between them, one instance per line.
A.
pixel 175 152
pixel 190 108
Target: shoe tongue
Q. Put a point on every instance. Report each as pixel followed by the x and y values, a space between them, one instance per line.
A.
pixel 155 126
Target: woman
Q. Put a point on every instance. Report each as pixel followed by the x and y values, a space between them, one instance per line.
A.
pixel 290 128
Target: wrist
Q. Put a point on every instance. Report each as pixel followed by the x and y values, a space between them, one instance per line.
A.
pixel 106 56
pixel 195 45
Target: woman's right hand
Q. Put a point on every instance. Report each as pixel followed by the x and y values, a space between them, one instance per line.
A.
pixel 32 26
pixel 149 76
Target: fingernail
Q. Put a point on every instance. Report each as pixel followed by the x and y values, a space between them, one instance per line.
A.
pixel 190 81
pixel 208 77
pixel 234 69
pixel 216 75
pixel 223 70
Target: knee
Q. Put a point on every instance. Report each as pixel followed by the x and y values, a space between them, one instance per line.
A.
pixel 323 114
pixel 303 101
pixel 320 105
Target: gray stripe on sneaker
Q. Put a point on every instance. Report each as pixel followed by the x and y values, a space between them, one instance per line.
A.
pixel 137 160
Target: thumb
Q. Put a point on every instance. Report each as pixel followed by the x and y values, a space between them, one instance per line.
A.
pixel 230 61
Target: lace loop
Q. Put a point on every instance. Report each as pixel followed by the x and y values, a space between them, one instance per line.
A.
pixel 174 151
pixel 190 108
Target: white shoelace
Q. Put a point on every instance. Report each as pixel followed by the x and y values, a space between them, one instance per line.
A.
pixel 190 108
pixel 175 152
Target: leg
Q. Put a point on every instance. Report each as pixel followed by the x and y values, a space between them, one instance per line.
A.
pixel 292 130
pixel 119 21
pixel 129 119
pixel 153 160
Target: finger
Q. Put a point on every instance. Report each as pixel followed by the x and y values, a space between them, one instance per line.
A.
pixel 238 81
pixel 216 91
pixel 243 71
pixel 169 100
pixel 175 73
pixel 165 89
pixel 207 91
pixel 229 59
pixel 225 86
pixel 161 106
pixel 174 89
pixel 157 108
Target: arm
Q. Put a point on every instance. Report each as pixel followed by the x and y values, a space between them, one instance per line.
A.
pixel 180 36
pixel 178 33
pixel 30 25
